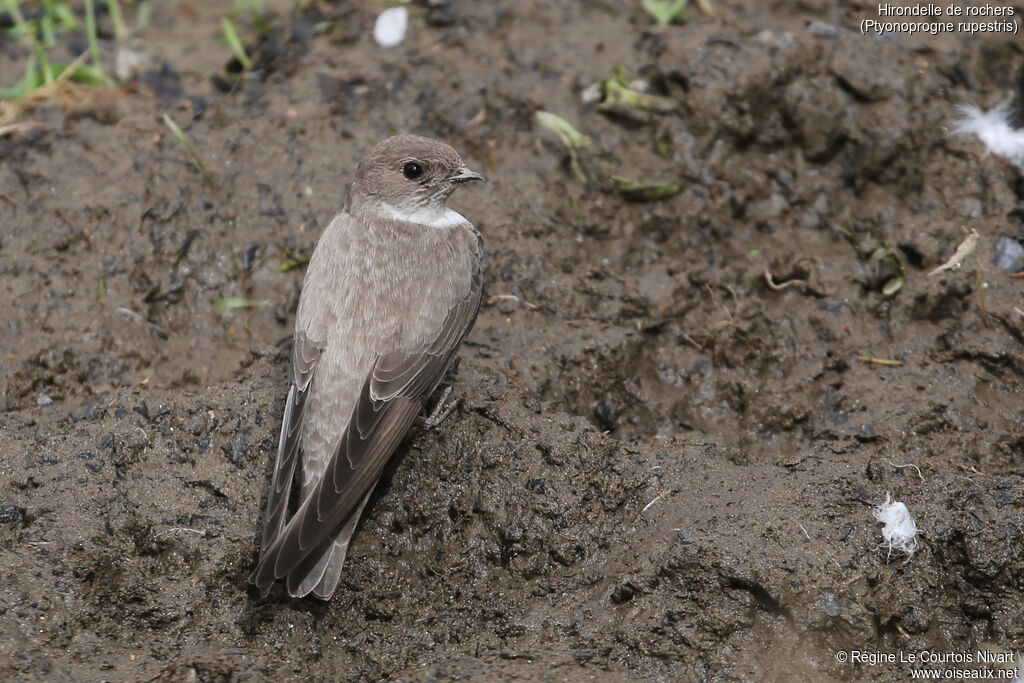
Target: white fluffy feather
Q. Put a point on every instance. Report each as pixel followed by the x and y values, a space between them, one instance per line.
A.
pixel 389 29
pixel 900 531
pixel 993 128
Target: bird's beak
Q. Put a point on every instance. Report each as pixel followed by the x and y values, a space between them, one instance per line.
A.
pixel 464 175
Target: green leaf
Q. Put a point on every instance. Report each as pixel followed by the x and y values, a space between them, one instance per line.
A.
pixel 101 289
pixel 570 137
pixel 646 192
pixel 664 12
pixel 618 96
pixel 894 285
pixel 85 74
pixel 65 17
pixel 231 303
pixel 27 83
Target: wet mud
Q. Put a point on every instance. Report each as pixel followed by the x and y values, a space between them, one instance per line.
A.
pixel 671 434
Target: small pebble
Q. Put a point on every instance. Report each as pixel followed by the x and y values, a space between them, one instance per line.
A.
pixel 822 29
pixel 44 400
pixel 1009 254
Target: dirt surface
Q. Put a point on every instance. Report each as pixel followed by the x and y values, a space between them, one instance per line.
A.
pixel 664 468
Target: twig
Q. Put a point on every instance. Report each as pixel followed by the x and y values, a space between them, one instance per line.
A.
pixel 1017 276
pixel 512 376
pixel 656 499
pixel 67 73
pixel 714 300
pixel 706 8
pixel 784 285
pixel 697 345
pixel 880 361
pixel 129 313
pixel 12 128
pixel 199 532
pixel 909 464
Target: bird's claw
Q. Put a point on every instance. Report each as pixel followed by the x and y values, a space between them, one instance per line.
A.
pixel 439 414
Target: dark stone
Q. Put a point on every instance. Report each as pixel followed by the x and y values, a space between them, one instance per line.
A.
pixel 604 415
pixel 624 592
pixel 236 449
pixel 442 17
pixel 9 513
pixel 536 485
pixel 865 433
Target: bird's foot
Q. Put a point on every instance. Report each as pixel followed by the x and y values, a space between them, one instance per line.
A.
pixel 440 412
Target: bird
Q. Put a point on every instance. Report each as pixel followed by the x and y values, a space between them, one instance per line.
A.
pixel 390 292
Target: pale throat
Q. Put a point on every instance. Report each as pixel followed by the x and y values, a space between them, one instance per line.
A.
pixel 435 215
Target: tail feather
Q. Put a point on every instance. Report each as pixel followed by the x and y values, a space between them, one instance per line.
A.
pixel 320 572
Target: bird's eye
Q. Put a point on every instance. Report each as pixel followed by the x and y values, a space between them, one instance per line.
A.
pixel 412 170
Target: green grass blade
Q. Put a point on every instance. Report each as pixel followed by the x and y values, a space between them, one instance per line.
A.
pixel 142 15
pixel 45 68
pixel 65 17
pixel 46 24
pixel 190 150
pixel 235 43
pixel 91 32
pixel 116 18
pixel 21 26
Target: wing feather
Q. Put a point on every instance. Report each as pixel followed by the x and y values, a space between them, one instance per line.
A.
pixel 305 354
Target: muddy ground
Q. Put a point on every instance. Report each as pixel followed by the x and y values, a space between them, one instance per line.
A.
pixel 662 469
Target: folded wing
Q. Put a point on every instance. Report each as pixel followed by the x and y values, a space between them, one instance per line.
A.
pixel 391 397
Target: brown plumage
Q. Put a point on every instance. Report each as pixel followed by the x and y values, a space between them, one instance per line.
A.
pixel 391 291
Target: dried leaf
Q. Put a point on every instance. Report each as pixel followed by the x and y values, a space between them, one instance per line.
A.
pixel 963 250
